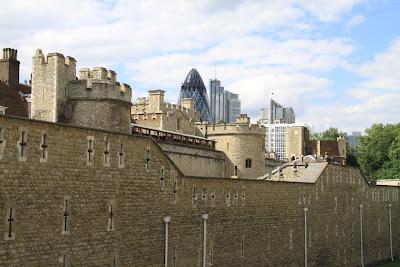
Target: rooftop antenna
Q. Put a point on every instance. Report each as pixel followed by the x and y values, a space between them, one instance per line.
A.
pixel 215 72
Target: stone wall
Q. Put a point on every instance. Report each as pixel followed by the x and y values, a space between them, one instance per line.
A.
pixel 195 161
pixel 250 222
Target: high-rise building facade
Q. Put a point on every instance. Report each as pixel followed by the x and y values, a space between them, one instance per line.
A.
pixel 352 139
pixel 233 107
pixel 216 101
pixel 276 113
pixel 275 138
pixel 193 87
pixel 224 105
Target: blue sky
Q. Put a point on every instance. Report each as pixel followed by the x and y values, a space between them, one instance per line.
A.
pixel 336 62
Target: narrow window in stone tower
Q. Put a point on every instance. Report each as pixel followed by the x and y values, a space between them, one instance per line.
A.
pixel 10 224
pixel 162 179
pixel 379 226
pixel 243 196
pixel 236 171
pixel 242 247
pixel 66 216
pixel 111 215
pixel 291 239
pixel 194 197
pixel 204 196
pixel 107 154
pixel 114 262
pixel 178 124
pixel 211 253
pixel 43 147
pixel 147 164
pixel 336 204
pixel 248 163
pixel 175 191
pixel 228 198
pixel 63 260
pixel 22 145
pixel 2 142
pixel 236 197
pixel 213 198
pixel 121 156
pixel 90 151
pixel 174 259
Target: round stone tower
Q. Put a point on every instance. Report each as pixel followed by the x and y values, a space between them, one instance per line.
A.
pixel 243 143
pixel 97 100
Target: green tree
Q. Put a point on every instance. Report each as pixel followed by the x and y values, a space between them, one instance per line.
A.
pixel 378 152
pixel 351 156
pixel 331 134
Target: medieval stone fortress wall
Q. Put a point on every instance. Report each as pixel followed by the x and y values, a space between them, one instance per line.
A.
pixel 78 188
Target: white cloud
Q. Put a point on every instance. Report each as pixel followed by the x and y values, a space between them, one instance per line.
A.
pixel 257 46
pixel 355 20
pixel 375 99
pixel 328 10
pixel 382 72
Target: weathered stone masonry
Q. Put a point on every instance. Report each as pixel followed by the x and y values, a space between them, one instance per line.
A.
pixel 249 222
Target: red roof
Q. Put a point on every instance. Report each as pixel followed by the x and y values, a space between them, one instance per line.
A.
pixel 11 98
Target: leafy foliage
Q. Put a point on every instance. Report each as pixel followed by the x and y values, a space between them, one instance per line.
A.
pixel 331 134
pixel 351 156
pixel 378 152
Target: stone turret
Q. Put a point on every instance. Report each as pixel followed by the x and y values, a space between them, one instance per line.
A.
pixel 243 143
pixel 94 100
pixel 97 100
pixel 50 77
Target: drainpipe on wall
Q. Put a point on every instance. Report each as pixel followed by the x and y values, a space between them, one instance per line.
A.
pixel 166 222
pixel 204 217
pixel 390 231
pixel 305 236
pixel 361 236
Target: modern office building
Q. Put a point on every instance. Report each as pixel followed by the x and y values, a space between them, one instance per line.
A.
pixel 352 139
pixel 193 87
pixel 276 113
pixel 233 107
pixel 224 105
pixel 275 138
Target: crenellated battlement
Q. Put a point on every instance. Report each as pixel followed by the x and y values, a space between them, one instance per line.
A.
pixel 98 73
pixel 237 128
pixel 39 58
pixel 98 84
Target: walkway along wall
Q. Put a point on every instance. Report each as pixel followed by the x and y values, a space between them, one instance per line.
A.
pixel 83 197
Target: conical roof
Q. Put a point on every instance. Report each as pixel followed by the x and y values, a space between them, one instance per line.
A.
pixel 193 87
pixel 193 80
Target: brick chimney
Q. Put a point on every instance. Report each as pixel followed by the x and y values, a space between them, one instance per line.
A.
pixel 9 67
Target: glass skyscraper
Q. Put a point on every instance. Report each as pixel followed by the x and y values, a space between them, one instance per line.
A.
pixel 193 87
pixel 224 105
pixel 276 113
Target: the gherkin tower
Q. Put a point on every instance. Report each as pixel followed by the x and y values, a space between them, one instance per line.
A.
pixel 193 87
